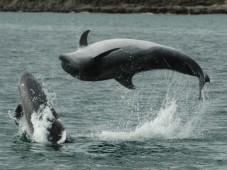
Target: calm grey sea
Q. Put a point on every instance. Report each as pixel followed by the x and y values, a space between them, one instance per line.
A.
pixel 160 125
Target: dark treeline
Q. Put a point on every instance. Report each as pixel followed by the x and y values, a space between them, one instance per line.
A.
pixel 117 6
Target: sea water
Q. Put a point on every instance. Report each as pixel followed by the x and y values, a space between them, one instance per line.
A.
pixel 160 125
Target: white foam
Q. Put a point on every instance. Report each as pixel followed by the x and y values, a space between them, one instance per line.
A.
pixel 168 124
pixel 164 125
pixel 41 123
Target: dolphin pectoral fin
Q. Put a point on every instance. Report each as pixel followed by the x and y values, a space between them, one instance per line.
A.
pixel 105 53
pixel 56 131
pixel 18 113
pixel 83 38
pixel 125 80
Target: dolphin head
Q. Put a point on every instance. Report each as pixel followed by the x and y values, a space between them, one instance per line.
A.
pixel 74 63
pixel 69 66
pixel 31 92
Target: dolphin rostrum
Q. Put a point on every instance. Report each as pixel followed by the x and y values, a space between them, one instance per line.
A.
pixel 121 59
pixel 34 104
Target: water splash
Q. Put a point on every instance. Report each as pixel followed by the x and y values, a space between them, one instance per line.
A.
pixel 41 121
pixel 168 124
pixel 164 125
pixel 179 115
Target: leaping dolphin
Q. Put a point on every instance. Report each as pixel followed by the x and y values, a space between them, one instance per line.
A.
pixel 34 104
pixel 121 59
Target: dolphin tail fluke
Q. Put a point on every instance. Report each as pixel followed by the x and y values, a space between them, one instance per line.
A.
pixel 207 78
pixel 203 81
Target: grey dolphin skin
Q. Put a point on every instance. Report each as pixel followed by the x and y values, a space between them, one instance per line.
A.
pixel 33 101
pixel 121 59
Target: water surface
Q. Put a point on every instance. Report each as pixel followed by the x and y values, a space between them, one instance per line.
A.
pixel 160 125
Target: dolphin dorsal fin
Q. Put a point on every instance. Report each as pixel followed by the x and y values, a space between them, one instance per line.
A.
pixel 126 80
pixel 105 53
pixel 83 38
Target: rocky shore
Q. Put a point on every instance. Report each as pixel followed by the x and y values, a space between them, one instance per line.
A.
pixel 117 6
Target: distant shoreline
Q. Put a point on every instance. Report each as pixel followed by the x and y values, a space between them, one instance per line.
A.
pixel 117 6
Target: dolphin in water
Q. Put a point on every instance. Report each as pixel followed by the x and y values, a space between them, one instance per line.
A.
pixel 35 106
pixel 121 59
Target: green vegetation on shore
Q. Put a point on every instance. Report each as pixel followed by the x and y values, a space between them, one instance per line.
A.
pixel 117 6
